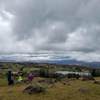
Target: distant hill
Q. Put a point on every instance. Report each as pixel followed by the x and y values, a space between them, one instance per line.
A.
pixel 75 62
pixel 35 58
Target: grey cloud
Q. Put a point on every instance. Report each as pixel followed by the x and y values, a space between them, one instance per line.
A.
pixel 34 13
pixel 51 25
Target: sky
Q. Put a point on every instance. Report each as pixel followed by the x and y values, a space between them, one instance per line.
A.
pixel 67 27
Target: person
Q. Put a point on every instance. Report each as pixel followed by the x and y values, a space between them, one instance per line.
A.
pixel 20 79
pixel 10 78
pixel 30 77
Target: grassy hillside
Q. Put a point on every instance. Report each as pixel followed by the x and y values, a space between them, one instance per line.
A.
pixel 66 89
pixel 72 90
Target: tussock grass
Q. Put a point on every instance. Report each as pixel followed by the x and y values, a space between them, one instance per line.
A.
pixel 58 92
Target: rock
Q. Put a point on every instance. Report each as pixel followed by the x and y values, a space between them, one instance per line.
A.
pixel 34 89
pixel 97 82
pixel 83 90
pixel 86 78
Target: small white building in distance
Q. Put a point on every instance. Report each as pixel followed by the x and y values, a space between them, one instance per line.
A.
pixel 65 73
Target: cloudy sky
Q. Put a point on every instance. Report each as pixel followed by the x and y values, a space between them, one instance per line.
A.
pixel 68 26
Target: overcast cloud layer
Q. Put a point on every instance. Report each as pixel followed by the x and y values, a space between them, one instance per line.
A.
pixel 51 25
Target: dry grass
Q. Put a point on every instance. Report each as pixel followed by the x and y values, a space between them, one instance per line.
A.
pixel 59 91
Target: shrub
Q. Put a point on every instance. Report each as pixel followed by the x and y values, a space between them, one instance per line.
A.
pixel 95 73
pixel 73 76
pixel 44 72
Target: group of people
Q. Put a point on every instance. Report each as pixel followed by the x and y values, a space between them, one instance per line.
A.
pixel 11 78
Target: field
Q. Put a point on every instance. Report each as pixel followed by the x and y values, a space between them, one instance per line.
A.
pixel 72 90
pixel 64 89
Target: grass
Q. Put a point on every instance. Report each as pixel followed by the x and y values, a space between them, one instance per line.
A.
pixel 58 92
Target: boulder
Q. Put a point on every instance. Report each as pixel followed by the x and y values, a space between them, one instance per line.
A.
pixel 83 90
pixel 97 82
pixel 86 78
pixel 34 89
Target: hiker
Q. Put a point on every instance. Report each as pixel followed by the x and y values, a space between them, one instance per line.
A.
pixel 20 78
pixel 10 78
pixel 30 77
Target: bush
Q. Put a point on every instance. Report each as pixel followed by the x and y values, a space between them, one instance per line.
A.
pixel 95 73
pixel 73 76
pixel 44 72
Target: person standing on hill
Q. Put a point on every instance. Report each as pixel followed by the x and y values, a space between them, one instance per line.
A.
pixel 10 78
pixel 20 78
pixel 30 77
